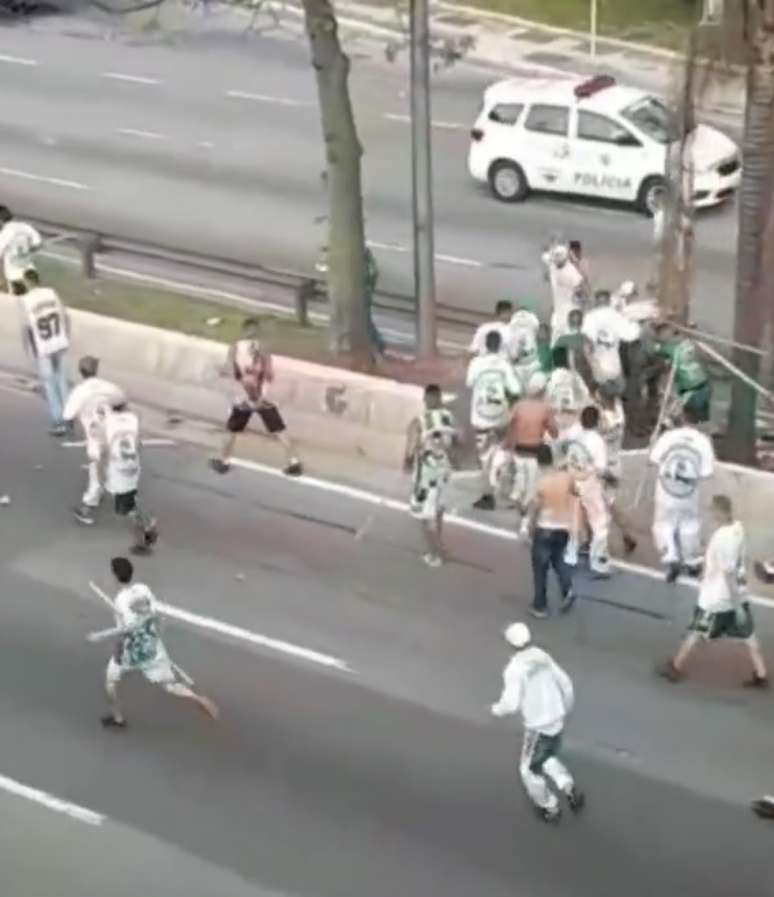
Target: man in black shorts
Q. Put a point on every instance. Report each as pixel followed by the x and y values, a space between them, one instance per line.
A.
pixel 252 369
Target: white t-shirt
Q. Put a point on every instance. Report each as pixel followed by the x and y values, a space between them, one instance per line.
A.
pixel 494 385
pixel 566 281
pixel 136 608
pixel 606 329
pixel 684 457
pixel 523 337
pixel 18 244
pixel 566 391
pixel 478 343
pixel 122 438
pixel 538 688
pixel 90 401
pixel 612 426
pixel 725 556
pixel 585 451
pixel 45 317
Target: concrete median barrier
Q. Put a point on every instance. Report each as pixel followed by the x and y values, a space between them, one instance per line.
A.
pixel 324 406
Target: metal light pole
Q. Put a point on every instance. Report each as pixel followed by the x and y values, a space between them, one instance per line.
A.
pixel 422 179
pixel 593 30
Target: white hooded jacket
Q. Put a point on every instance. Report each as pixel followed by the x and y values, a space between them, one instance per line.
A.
pixel 537 687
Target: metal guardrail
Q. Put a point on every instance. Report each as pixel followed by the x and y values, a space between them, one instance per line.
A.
pixel 306 287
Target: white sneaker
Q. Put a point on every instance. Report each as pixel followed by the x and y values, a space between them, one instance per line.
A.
pixel 432 560
pixel 524 530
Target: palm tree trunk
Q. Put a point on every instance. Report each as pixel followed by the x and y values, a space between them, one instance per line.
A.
pixel 343 153
pixel 753 288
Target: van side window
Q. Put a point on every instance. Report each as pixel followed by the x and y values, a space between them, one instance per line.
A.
pixel 548 120
pixel 596 127
pixel 506 113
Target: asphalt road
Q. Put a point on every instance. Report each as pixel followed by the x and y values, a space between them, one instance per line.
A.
pixel 210 141
pixel 384 777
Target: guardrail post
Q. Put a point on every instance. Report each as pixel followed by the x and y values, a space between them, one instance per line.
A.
pixel 305 292
pixel 89 247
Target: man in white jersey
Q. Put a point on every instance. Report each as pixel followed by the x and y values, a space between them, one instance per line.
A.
pixel 523 341
pixel 567 286
pixel 566 391
pixel 19 242
pixel 684 457
pixel 122 474
pixel 89 402
pixel 585 456
pixel 612 427
pixel 429 439
pixel 139 647
pixel 535 686
pixel 46 337
pixel 722 608
pixel 494 388
pixel 501 323
pixel 605 329
pixel 252 368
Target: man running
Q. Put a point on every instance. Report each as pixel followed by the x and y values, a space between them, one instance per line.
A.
pixel 494 388
pixel 122 480
pixel 538 688
pixel 567 286
pixel 46 338
pixel 139 647
pixel 253 370
pixel 585 456
pixel 553 520
pixel 532 424
pixel 89 402
pixel 684 457
pixel 722 609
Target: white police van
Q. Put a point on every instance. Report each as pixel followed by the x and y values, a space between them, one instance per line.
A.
pixel 591 138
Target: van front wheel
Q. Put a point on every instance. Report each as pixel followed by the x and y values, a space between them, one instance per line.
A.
pixel 508 182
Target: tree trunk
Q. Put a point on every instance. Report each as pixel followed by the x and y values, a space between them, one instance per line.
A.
pixel 753 286
pixel 343 152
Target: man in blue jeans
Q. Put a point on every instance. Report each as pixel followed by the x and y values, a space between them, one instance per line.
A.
pixel 552 520
pixel 46 337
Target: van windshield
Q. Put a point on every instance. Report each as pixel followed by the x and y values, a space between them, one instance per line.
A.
pixel 653 118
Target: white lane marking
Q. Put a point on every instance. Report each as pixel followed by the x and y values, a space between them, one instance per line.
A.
pixel 254 638
pixel 50 802
pixel 387 247
pixel 443 125
pixel 265 98
pixel 17 60
pixel 395 504
pixel 132 79
pixel 136 132
pixel 150 443
pixel 43 179
pixel 456 260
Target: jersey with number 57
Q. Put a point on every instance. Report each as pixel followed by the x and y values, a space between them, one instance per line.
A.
pixel 46 321
pixel 122 436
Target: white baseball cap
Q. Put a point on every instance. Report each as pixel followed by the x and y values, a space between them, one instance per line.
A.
pixel 518 635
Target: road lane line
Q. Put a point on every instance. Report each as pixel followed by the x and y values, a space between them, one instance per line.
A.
pixel 254 638
pixel 136 132
pixel 149 443
pixel 51 802
pixel 17 60
pixel 443 125
pixel 132 79
pixel 43 179
pixel 456 260
pixel 388 247
pixel 265 98
pixel 487 529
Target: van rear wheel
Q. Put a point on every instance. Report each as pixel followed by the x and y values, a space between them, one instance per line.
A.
pixel 651 196
pixel 508 182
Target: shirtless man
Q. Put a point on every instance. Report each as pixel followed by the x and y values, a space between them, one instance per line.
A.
pixel 532 423
pixel 551 524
